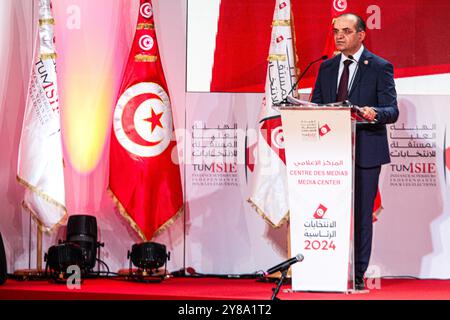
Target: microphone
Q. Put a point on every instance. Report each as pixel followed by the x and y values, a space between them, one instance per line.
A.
pixel 285 265
pixel 325 57
pixel 350 57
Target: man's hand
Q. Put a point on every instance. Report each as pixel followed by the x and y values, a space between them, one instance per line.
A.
pixel 368 113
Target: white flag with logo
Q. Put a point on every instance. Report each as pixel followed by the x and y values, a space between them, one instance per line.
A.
pixel 40 164
pixel 269 190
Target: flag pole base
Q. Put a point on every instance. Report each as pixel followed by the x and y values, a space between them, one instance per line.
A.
pixel 138 275
pixel 29 274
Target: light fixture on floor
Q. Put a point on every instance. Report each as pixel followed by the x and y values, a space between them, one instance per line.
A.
pixel 79 249
pixel 148 258
pixel 60 257
pixel 82 230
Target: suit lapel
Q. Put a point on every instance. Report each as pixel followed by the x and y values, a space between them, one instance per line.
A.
pixel 334 76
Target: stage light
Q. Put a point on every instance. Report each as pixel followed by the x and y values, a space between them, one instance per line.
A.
pixel 82 230
pixel 79 249
pixel 148 257
pixel 60 257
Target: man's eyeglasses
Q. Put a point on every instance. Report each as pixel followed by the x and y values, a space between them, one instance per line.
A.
pixel 345 31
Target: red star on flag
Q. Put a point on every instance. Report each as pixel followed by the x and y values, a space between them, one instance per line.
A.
pixel 155 120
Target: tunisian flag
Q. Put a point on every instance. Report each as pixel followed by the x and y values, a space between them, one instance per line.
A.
pixel 144 173
pixel 40 164
pixel 338 7
pixel 269 188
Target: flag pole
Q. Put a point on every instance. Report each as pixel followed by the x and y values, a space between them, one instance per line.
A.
pixel 45 193
pixel 39 248
pixel 277 275
pixel 28 274
pixel 269 194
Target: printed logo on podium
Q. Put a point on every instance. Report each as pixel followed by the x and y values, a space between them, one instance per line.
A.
pixel 324 130
pixel 320 212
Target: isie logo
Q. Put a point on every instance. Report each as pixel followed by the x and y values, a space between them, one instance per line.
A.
pixel 416 167
pixel 324 130
pixel 320 212
pixel 217 167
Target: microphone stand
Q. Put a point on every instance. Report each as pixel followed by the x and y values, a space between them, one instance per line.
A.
pixel 279 283
pixel 285 100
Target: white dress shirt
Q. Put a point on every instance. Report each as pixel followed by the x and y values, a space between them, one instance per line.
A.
pixel 352 68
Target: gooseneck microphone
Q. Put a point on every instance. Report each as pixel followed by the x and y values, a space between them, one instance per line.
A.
pixel 301 76
pixel 285 264
pixel 350 57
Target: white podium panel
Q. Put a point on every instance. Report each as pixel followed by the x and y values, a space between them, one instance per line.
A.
pixel 319 161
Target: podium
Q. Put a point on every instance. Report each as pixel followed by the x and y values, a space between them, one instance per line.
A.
pixel 319 146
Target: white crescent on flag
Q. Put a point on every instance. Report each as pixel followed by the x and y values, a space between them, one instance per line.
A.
pixel 142 119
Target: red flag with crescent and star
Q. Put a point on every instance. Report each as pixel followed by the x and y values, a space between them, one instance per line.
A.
pixel 145 179
pixel 338 7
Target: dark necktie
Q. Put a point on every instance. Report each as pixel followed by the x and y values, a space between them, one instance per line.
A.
pixel 342 93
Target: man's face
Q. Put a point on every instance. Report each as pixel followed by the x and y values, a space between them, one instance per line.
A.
pixel 347 39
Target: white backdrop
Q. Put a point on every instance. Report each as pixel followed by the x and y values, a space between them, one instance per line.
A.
pixel 222 233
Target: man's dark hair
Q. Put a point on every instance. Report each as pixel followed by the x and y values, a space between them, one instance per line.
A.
pixel 360 23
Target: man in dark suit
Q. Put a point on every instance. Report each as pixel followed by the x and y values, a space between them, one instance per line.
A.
pixel 367 81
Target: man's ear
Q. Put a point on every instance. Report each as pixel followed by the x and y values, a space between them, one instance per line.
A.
pixel 362 35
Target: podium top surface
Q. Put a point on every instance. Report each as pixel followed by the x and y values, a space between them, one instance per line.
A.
pixel 291 103
pixel 314 107
pixel 358 120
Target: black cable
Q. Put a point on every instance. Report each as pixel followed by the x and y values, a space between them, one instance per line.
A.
pixel 108 274
pixel 225 276
pixel 411 278
pixel 103 263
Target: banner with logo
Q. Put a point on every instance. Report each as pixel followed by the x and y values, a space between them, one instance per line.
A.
pixel 411 234
pixel 144 170
pixel 319 165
